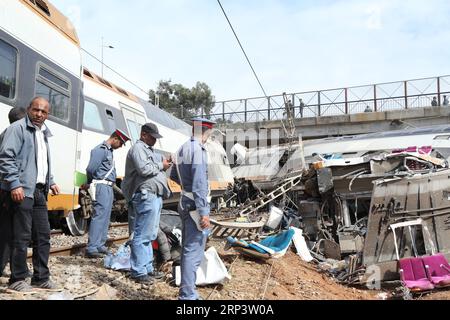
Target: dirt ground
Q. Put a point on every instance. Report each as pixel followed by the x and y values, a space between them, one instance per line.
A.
pixel 287 278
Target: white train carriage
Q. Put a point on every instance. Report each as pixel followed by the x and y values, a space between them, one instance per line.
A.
pixel 46 61
pixel 107 107
pixel 437 137
pixel 40 56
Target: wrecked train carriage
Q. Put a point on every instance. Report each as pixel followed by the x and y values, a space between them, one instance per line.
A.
pixel 402 200
pixel 346 184
pixel 264 166
pixel 336 198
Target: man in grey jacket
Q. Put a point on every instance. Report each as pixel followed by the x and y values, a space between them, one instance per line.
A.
pixel 26 174
pixel 145 187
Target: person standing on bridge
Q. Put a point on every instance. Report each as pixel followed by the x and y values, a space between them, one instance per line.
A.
pixel 6 216
pixel 192 174
pixel 144 187
pixel 101 175
pixel 434 102
pixel 445 103
pixel 25 168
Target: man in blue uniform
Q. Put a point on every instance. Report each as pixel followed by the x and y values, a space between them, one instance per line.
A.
pixel 191 172
pixel 101 175
pixel 144 187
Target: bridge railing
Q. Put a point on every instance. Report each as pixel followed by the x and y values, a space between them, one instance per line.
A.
pixel 400 95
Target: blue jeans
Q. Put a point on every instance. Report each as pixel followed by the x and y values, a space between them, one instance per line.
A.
pixel 147 208
pixel 98 230
pixel 194 242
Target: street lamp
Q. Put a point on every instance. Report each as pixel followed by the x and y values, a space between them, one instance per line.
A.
pixel 103 46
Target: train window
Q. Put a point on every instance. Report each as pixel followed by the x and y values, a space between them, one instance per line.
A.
pixel 111 122
pixel 8 67
pixel 56 90
pixel 122 91
pixel 106 83
pixel 87 73
pixel 43 6
pixel 134 130
pixel 442 137
pixel 51 77
pixel 92 117
pixel 109 114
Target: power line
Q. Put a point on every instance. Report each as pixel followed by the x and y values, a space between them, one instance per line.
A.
pixel 117 73
pixel 242 48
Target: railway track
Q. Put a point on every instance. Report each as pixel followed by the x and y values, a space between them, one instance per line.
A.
pixel 80 248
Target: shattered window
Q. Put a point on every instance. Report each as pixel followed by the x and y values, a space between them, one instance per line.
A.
pixel 407 242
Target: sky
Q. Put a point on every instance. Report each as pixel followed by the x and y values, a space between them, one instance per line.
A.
pixel 294 45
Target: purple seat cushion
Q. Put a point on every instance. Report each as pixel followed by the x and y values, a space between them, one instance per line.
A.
pixel 418 269
pixel 413 274
pixel 439 275
pixel 405 265
pixel 419 285
pixel 441 281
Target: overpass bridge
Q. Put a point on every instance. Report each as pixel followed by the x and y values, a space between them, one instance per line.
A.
pixel 335 112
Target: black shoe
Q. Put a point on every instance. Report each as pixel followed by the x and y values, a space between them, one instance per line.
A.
pixel 157 275
pixel 94 255
pixel 143 280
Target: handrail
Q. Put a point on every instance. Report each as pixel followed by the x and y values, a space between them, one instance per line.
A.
pixel 399 95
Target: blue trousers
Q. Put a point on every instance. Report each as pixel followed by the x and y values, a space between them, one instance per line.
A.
pixel 147 209
pixel 193 249
pixel 98 230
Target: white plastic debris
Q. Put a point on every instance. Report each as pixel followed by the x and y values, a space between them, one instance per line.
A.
pixel 300 245
pixel 211 270
pixel 382 296
pixel 275 217
pixel 61 296
pixel 119 261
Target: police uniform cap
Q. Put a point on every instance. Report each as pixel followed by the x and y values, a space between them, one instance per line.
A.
pixel 202 122
pixel 122 136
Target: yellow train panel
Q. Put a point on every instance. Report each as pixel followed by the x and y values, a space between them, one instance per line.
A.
pixel 62 202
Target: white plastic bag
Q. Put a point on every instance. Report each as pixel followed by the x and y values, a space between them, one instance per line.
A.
pixel 211 270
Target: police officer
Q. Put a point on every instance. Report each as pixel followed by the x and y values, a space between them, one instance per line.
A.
pixel 101 175
pixel 191 172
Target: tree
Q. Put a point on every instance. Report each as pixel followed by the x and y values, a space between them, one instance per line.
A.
pixel 183 102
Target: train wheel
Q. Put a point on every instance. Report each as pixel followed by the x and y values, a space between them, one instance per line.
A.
pixel 76 223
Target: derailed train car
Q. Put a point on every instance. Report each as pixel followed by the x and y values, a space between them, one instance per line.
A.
pixel 46 61
pixel 371 200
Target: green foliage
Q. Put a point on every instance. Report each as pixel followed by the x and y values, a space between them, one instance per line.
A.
pixel 183 102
